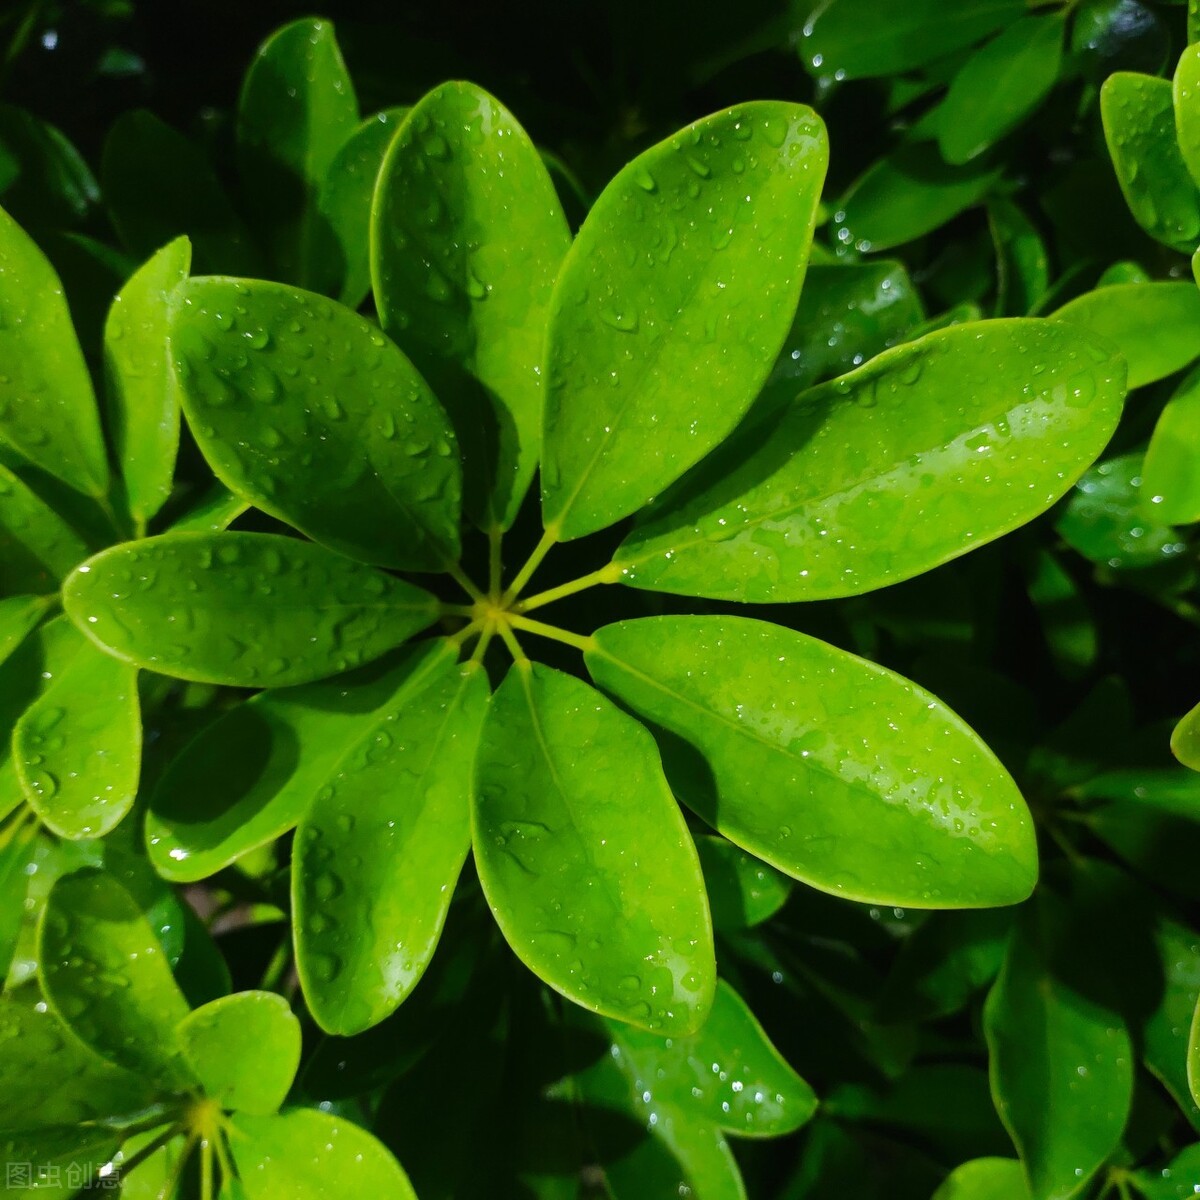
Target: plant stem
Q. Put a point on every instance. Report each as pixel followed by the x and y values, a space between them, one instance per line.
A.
pixel 224 1157
pixel 553 632
pixel 485 638
pixel 206 1170
pixel 495 563
pixel 514 647
pixel 463 580
pixel 456 610
pixel 549 540
pixel 150 1148
pixel 467 632
pixel 171 1187
pixel 607 574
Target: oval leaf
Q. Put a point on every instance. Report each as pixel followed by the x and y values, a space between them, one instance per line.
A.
pixel 78 748
pixel 985 1179
pixel 835 770
pixel 467 239
pixel 1171 472
pixel 662 328
pixel 244 1049
pixel 104 973
pixel 249 777
pixel 928 451
pixel 1185 740
pixel 48 410
pixel 379 852
pixel 310 1155
pixel 143 393
pixel 350 446
pixel 742 890
pixel 585 858
pixel 1185 92
pixel 247 609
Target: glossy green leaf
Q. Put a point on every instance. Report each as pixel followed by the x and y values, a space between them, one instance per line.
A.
pixel 143 394
pixel 907 195
pixel 467 239
pixel 1166 1048
pixel 348 444
pixel 1055 1049
pixel 213 513
pixel 1022 262
pixel 158 185
pixel 37 547
pixel 1185 740
pixel 379 852
pixel 663 326
pixel 832 769
pixel 244 1049
pixel 847 39
pixel 742 890
pixel 928 451
pixel 19 616
pixel 58 1158
pixel 48 410
pixel 296 110
pixel 154 1174
pixel 847 314
pixel 78 748
pixel 1139 126
pixel 1192 1070
pixel 247 609
pixel 1000 85
pixel 985 1179
pixel 249 776
pixel 345 198
pixel 17 854
pixel 92 937
pixel 308 1155
pixel 1104 519
pixel 584 857
pixel 1185 94
pixel 1170 490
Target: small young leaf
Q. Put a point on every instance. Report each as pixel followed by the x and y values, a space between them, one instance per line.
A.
pixel 213 513
pixel 308 1155
pixel 1185 740
pixel 296 110
pixel 742 890
pixel 143 394
pixel 346 196
pixel 48 410
pixel 1139 126
pixel 1170 492
pixel 663 327
pixel 37 547
pixel 158 186
pixel 467 237
pixel 244 1049
pixel 247 609
pixel 585 858
pixel 932 449
pixel 854 39
pixel 1000 85
pixel 1022 264
pixel 860 783
pixel 379 852
pixel 104 973
pixel 78 747
pixel 985 1179
pixel 352 448
pixel 250 776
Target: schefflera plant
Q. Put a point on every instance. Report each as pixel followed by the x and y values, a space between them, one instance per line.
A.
pixel 628 364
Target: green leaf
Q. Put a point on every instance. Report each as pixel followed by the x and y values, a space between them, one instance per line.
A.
pixel 1041 1030
pixel 1171 473
pixel 61 1158
pixel 907 195
pixel 158 185
pixel 308 1155
pixel 17 851
pixel 48 410
pixel 794 750
pixel 142 392
pixel 1022 264
pixel 247 609
pixel 1000 85
pixel 663 327
pixel 742 890
pixel 584 857
pixel 78 748
pixel 1066 621
pixel 249 776
pixel 37 547
pixel 933 448
pixel 985 1179
pixel 351 447
pixel 54 185
pixel 1185 740
pixel 1139 126
pixel 848 40
pixel 467 239
pixel 379 852
pixel 1166 1048
pixel 244 1049
pixel 296 110
pixel 1180 1179
pixel 19 616
pixel 213 513
pixel 346 195
pixel 104 973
